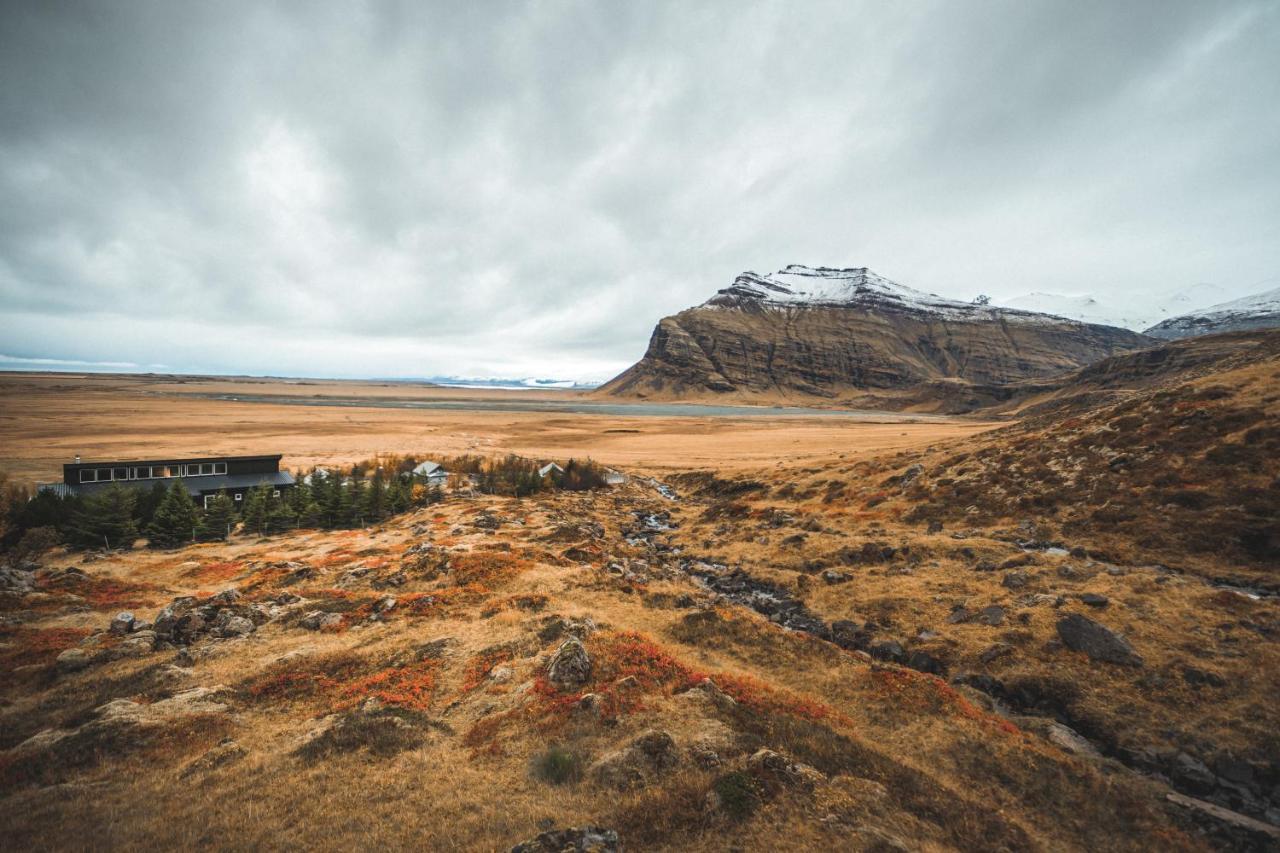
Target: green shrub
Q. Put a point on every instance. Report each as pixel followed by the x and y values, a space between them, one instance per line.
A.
pixel 738 793
pixel 558 766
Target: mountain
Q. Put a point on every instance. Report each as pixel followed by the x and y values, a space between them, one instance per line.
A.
pixel 1260 311
pixel 837 333
pixel 1127 309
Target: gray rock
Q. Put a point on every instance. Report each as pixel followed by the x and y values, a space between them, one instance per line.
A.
pixel 122 623
pixel 1082 634
pixel 1015 580
pixel 318 620
pixel 570 666
pixel 73 660
pixel 575 839
pixel 770 766
pixel 236 626
pixel 1093 599
pixel 650 756
pixel 992 615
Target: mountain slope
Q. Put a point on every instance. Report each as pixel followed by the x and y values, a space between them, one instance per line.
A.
pixel 828 333
pixel 1260 311
pixel 1127 309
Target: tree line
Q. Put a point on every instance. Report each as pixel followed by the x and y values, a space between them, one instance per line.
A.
pixel 362 494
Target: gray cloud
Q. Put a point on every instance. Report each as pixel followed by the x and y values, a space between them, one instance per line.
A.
pixel 411 188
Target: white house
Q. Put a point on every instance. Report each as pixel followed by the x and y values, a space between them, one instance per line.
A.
pixel 549 468
pixel 431 473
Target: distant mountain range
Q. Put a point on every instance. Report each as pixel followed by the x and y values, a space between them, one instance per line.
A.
pixel 1136 310
pixel 837 333
pixel 527 383
pixel 1260 311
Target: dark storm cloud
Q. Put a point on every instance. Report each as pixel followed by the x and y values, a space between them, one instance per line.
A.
pixel 413 188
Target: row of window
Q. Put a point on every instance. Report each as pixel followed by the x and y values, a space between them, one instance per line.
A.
pixel 151 472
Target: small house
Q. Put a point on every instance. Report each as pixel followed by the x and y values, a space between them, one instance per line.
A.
pixel 431 473
pixel 550 468
pixel 203 476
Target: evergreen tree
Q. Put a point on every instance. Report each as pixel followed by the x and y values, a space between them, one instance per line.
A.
pixel 398 495
pixel 353 502
pixel 280 515
pixel 175 519
pixel 306 509
pixel 218 518
pixel 375 499
pixel 148 502
pixel 255 509
pixel 105 519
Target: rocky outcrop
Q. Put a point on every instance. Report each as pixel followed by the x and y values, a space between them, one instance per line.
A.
pixel 1082 634
pixel 826 333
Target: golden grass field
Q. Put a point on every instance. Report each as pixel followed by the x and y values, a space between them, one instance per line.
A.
pixel 47 419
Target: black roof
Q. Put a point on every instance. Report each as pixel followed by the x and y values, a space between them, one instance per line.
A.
pixel 171 460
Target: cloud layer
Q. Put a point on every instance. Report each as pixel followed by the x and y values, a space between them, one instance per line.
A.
pixel 409 189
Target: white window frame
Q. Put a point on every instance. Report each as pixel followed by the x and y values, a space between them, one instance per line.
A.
pixel 219 467
pixel 275 493
pixel 88 475
pixel 239 495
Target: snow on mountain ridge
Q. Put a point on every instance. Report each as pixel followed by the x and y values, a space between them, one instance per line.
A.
pixel 797 285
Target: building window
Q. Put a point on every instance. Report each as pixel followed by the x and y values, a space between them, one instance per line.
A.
pixel 88 475
pixel 239 495
pixel 219 467
pixel 121 473
pixel 104 474
pixel 208 499
pixel 206 468
pixel 275 493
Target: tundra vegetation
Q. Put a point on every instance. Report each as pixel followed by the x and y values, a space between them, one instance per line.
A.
pixel 1061 634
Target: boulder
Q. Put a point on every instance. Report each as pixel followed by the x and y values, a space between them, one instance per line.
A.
pixel 992 615
pixel 1080 633
pixel 234 626
pixel 778 770
pixel 650 756
pixel 575 839
pixel 319 620
pixel 73 660
pixel 570 666
pixel 1015 580
pixel 890 650
pixel 1093 599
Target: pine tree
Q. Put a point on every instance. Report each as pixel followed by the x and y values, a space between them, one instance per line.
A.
pixel 255 509
pixel 375 500
pixel 218 518
pixel 353 501
pixel 175 519
pixel 280 515
pixel 306 509
pixel 398 495
pixel 105 519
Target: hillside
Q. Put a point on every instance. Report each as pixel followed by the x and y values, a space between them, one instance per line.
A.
pixel 1260 311
pixel 1062 634
pixel 806 334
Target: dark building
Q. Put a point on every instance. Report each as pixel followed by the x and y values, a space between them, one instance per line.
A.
pixel 203 476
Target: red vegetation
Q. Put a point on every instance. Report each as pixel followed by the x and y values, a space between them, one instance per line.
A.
pixel 36 646
pixel 217 572
pixel 486 567
pixel 344 681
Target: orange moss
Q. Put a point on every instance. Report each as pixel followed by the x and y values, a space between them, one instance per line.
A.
pixel 923 693
pixel 217 572
pixel 438 602
pixel 486 566
pixel 479 667
pixel 409 687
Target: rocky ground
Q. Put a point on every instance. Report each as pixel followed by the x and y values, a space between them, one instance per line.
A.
pixel 1010 642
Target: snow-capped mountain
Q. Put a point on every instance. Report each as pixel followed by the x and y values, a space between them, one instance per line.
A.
pixel 801 286
pixel 1260 311
pixel 832 333
pixel 1129 310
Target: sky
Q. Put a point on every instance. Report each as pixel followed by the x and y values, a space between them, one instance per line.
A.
pixel 387 189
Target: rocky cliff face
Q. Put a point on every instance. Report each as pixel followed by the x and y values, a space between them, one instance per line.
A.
pixel 826 333
pixel 1261 311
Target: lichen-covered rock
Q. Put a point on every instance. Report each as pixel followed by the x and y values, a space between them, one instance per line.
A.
pixel 776 768
pixel 570 666
pixel 650 756
pixel 575 839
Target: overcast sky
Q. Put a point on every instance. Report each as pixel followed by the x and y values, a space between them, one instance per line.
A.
pixel 510 189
